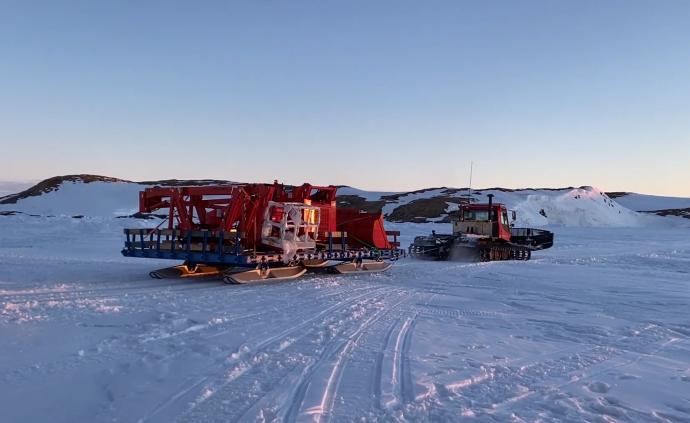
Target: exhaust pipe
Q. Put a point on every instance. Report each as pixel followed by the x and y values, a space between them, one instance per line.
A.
pixel 491 215
pixel 491 202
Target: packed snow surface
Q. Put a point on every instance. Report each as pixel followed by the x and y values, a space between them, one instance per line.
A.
pixel 595 329
pixel 644 202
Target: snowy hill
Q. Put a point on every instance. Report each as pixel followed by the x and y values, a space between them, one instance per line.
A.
pixel 76 197
pixel 584 206
pixel 99 196
pixel 86 195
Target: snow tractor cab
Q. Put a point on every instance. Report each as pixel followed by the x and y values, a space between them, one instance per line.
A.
pixel 490 220
pixel 278 230
pixel 483 232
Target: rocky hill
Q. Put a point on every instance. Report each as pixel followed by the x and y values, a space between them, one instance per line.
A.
pixel 102 196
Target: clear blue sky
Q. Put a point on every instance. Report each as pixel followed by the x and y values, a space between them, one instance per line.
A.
pixel 391 95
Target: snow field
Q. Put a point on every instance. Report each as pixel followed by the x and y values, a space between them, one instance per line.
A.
pixel 597 328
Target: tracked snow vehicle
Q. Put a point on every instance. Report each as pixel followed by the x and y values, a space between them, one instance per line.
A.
pixel 482 232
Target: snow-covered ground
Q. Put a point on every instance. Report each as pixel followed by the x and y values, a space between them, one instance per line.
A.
pixel 644 202
pixel 595 329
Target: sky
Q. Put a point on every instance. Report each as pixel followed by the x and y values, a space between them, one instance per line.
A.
pixel 381 95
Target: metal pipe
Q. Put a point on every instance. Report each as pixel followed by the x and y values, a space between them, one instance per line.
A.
pixel 491 202
pixel 491 217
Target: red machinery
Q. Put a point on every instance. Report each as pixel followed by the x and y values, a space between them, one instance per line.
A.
pixel 265 225
pixel 363 229
pixel 239 208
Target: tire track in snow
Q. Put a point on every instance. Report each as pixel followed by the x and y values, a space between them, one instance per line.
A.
pixel 330 350
pixel 248 357
pixel 47 293
pixel 377 388
pixel 264 372
pixel 453 312
pixel 65 299
pixel 335 377
pixel 399 385
pixel 129 348
pixel 406 387
pixel 398 388
pixel 78 290
pixel 317 298
pixel 327 393
pixel 173 327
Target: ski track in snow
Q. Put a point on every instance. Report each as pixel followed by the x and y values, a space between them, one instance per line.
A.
pixel 242 375
pixel 596 329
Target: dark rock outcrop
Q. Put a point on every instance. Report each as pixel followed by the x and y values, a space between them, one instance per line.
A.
pixel 53 184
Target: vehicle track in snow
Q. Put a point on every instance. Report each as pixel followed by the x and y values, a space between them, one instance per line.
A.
pixel 166 326
pixel 322 297
pixel 337 352
pixel 313 400
pixel 435 310
pixel 395 383
pixel 172 336
pixel 49 302
pixel 262 366
pixel 112 292
pixel 377 384
pixel 348 386
pixel 404 373
pixel 144 286
pixel 242 375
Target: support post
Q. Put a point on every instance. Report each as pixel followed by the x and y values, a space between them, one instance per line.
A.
pixel 141 239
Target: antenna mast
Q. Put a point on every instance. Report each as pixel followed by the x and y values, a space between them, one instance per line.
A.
pixel 469 190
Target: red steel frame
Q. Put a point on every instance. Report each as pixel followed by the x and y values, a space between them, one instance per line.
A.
pixel 241 208
pixel 235 208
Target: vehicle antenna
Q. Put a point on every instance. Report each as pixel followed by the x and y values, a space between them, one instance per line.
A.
pixel 469 190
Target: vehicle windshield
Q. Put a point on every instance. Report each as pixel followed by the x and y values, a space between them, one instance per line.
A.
pixel 476 215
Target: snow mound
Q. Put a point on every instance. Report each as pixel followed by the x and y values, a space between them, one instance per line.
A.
pixel 586 206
